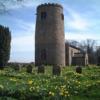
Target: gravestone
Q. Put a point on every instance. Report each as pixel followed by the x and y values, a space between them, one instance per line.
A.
pixel 79 69
pixel 29 68
pixel 41 69
pixel 56 70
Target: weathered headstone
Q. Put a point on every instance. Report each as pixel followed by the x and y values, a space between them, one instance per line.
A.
pixel 41 69
pixel 56 70
pixel 29 69
pixel 79 69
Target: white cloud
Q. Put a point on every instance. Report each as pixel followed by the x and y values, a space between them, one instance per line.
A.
pixel 78 24
pixel 82 36
pixel 74 20
pixel 22 44
pixel 14 4
pixel 27 27
pixel 22 49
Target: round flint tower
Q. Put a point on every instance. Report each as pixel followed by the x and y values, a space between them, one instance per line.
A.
pixel 49 35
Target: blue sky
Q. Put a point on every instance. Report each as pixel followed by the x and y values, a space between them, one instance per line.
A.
pixel 82 21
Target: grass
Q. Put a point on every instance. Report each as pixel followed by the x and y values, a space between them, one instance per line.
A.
pixel 69 85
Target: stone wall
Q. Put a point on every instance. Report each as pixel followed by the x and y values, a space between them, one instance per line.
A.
pixel 80 59
pixel 75 56
pixel 70 51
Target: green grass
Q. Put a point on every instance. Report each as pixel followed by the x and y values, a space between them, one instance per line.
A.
pixel 69 85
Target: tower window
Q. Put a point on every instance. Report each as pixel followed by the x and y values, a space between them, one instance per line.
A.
pixel 43 15
pixel 72 53
pixel 43 54
pixel 62 16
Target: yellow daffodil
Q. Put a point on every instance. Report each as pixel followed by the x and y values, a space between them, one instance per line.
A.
pixel 61 93
pixel 13 79
pixel 51 93
pixel 30 82
pixel 31 88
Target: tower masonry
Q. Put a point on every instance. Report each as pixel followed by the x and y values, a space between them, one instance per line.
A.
pixel 49 35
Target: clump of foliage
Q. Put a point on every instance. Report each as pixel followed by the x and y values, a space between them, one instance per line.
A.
pixel 5 39
pixel 70 85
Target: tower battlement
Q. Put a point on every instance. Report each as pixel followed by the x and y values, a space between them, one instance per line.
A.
pixel 49 4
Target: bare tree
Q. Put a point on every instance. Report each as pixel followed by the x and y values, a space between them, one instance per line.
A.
pixel 89 47
pixel 73 43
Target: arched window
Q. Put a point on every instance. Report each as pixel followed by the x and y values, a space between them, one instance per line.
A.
pixel 62 16
pixel 72 53
pixel 43 15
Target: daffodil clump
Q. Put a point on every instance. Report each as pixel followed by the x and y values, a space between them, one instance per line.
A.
pixel 69 85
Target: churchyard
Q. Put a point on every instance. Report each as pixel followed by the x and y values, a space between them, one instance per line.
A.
pixel 26 85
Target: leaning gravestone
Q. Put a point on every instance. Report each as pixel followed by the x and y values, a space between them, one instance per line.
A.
pixel 56 70
pixel 29 69
pixel 41 69
pixel 79 69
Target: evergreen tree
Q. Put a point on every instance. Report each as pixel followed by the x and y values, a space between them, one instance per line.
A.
pixel 5 39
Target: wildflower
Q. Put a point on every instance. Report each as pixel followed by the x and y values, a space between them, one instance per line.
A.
pixel 66 92
pixel 30 82
pixel 37 87
pixel 75 92
pixel 13 79
pixel 78 82
pixel 56 87
pixel 68 95
pixel 31 88
pixel 61 93
pixel 51 93
pixel 63 86
pixel 98 81
pixel 1 86
pixel 54 77
pixel 65 78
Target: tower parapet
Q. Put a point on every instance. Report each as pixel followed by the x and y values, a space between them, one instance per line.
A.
pixel 50 4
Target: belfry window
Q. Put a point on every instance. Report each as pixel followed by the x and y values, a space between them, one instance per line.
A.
pixel 43 15
pixel 62 16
